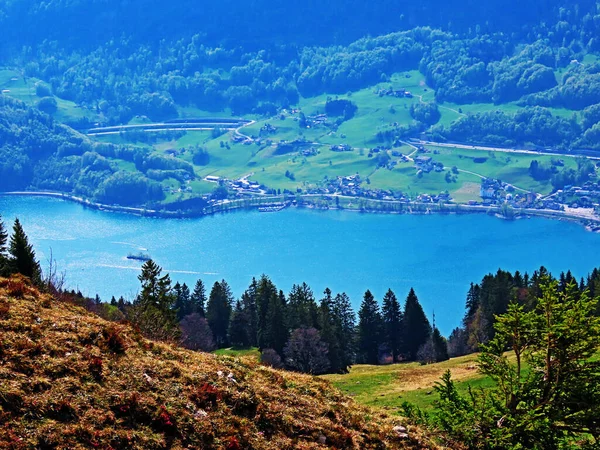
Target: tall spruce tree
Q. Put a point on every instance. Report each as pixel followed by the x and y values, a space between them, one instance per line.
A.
pixel 182 301
pixel 392 319
pixel 239 327
pixel 370 329
pixel 186 297
pixel 346 320
pixel 218 312
pixel 198 298
pixel 274 333
pixel 265 292
pixel 415 326
pixel 440 344
pixel 302 307
pixel 329 327
pixel 22 256
pixel 154 307
pixel 3 242
pixel 472 303
pixel 250 307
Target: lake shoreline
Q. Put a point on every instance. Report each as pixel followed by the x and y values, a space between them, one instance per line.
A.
pixel 413 208
pixel 437 256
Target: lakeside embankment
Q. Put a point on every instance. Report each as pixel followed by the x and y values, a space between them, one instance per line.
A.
pixel 581 215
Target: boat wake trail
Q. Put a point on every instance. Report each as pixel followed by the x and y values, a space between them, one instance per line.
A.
pixel 119 267
pixel 131 244
pixel 183 272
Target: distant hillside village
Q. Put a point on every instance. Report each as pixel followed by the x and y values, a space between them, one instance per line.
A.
pixel 493 192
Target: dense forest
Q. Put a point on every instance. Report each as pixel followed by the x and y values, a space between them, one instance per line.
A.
pixel 38 152
pixel 121 61
pixel 463 56
pixel 259 22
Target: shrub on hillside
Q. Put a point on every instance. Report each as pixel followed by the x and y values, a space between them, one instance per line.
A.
pixel 196 334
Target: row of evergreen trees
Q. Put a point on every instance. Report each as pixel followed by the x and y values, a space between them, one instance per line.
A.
pixel 17 254
pixel 295 331
pixel 493 295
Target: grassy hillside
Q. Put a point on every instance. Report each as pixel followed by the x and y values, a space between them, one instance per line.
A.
pixel 69 379
pixel 375 114
pixel 387 387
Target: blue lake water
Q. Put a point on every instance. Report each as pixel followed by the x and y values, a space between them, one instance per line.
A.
pixel 437 255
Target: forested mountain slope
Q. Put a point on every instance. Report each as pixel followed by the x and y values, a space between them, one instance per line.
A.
pixel 261 22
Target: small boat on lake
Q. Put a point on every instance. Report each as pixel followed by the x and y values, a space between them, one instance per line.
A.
pixel 139 256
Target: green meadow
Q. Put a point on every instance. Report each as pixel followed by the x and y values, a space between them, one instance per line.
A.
pixel 15 84
pixel 388 387
pixel 265 165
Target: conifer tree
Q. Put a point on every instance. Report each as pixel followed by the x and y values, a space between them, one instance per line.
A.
pixel 187 299
pixel 302 308
pixel 329 327
pixel 3 242
pixel 392 318
pixel 370 329
pixel 183 303
pixel 239 327
pixel 122 304
pixel 179 306
pixel 415 326
pixel 264 294
pixel 346 319
pixel 472 303
pixel 546 394
pixel 274 333
pixel 250 307
pixel 22 256
pixel 218 311
pixel 198 298
pixel 440 345
pixel 153 310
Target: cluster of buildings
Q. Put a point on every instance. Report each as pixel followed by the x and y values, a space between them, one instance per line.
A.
pixel 350 186
pixel 315 121
pixel 586 196
pixel 496 192
pixel 442 197
pixel 312 151
pixel 340 148
pixel 267 129
pixel 398 93
pixel 240 139
pixel 243 186
pixel 426 164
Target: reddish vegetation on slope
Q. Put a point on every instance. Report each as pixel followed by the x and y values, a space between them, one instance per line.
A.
pixel 69 379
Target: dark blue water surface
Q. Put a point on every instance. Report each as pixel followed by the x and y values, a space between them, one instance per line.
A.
pixel 437 255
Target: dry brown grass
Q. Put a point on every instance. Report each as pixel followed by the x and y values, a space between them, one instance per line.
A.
pixel 424 377
pixel 469 188
pixel 412 376
pixel 69 379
